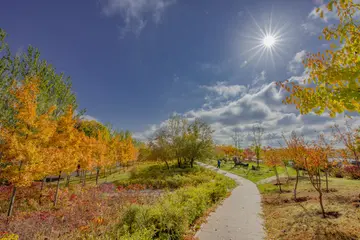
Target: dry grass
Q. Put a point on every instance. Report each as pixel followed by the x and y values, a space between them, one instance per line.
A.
pixel 287 219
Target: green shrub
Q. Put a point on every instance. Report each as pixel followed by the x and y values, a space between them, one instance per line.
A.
pixel 159 177
pixel 337 172
pixel 173 214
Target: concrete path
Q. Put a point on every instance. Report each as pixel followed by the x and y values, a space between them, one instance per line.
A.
pixel 270 179
pixel 238 218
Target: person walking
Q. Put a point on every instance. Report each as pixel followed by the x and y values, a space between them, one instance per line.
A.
pixel 218 163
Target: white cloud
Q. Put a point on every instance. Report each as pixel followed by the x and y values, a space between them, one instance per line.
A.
pixel 311 28
pixel 213 68
pixel 135 12
pixel 244 64
pixel 295 65
pixel 260 105
pixel 225 91
pixel 318 2
pixel 261 77
pixel 89 118
pixel 328 15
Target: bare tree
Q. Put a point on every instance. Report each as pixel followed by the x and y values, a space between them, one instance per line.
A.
pixel 348 137
pixel 257 136
pixel 237 138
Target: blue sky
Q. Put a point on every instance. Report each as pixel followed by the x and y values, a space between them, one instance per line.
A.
pixel 133 63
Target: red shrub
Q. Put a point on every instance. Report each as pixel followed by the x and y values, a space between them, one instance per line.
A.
pixel 107 187
pixel 136 187
pixel 352 171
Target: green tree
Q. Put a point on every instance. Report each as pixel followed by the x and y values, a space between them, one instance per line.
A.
pixel 198 142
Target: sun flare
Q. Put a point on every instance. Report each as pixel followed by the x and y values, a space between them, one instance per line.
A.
pixel 269 41
pixel 266 42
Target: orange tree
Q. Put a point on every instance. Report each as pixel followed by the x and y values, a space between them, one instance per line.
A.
pixel 333 76
pixel 273 159
pixel 25 144
pixel 285 158
pixel 315 161
pixel 228 151
pixel 248 154
pixel 295 151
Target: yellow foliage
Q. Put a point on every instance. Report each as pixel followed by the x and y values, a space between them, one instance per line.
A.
pixel 26 144
pixel 333 82
pixel 36 146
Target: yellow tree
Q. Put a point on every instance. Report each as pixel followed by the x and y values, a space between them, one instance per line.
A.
pixel 99 153
pixel 26 143
pixel 333 83
pixel 65 147
pixel 86 148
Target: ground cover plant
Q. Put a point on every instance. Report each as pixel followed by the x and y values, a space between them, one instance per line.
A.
pixel 171 204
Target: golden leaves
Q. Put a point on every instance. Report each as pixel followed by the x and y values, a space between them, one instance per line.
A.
pixel 39 145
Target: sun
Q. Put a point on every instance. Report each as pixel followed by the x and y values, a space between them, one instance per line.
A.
pixel 269 41
pixel 266 43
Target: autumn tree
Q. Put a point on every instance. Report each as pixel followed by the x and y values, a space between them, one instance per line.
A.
pixel 332 83
pixel 229 151
pixel 295 150
pixel 273 159
pixel 54 89
pixel 315 161
pixel 348 136
pixel 98 135
pixel 66 147
pixel 26 144
pixel 248 154
pixel 326 148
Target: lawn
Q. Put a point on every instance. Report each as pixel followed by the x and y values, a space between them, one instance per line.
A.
pixel 289 219
pixel 253 175
pixel 299 220
pixel 145 202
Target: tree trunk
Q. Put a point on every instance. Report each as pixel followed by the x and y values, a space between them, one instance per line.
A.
pixel 11 204
pixel 57 190
pixel 192 163
pixel 257 163
pixel 84 180
pixel 81 176
pixel 97 175
pixel 179 162
pixel 321 203
pixel 327 180
pixel 296 183
pixel 41 189
pixel 68 180
pixel 287 173
pixel 277 178
pixel 167 165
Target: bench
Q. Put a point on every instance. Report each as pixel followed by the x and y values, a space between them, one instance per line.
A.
pixel 238 163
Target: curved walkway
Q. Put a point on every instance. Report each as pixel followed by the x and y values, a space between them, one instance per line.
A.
pixel 238 218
